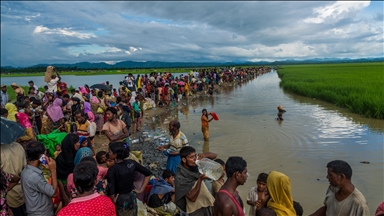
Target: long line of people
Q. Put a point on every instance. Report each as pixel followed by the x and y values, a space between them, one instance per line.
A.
pixel 71 182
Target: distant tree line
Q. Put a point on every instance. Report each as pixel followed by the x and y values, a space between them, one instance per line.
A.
pixel 86 66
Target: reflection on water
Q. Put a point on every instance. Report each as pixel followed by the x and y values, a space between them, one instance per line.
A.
pixel 375 125
pixel 312 134
pixel 205 146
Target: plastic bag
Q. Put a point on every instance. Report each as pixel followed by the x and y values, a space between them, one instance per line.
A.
pixel 92 129
pixel 141 209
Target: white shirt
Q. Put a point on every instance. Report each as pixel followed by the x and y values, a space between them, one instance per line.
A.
pixel 52 85
pixel 78 95
pixel 354 204
pixel 36 88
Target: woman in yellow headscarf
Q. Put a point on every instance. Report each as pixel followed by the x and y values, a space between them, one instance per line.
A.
pixel 279 188
pixel 12 111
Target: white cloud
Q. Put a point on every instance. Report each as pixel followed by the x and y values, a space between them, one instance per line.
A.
pixel 29 18
pixel 68 32
pixel 62 31
pixel 336 11
pixel 114 49
pixel 132 49
pixel 109 62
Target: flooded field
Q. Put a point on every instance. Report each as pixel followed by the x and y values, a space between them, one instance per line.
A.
pixel 312 134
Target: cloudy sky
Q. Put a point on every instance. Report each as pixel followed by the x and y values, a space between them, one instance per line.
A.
pixel 69 32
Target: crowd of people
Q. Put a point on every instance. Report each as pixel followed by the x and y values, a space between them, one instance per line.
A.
pixel 70 178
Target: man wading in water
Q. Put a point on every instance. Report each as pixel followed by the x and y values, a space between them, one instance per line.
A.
pixel 228 201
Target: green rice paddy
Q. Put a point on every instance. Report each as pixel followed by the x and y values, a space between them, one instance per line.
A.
pixel 356 86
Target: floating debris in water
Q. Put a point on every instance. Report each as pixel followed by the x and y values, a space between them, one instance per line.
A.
pixel 365 162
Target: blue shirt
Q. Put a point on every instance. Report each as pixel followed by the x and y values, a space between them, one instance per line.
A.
pixel 37 192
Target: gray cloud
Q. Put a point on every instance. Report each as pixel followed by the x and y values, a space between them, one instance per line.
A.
pixel 68 32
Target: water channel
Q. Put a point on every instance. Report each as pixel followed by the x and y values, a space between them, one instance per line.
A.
pixel 313 133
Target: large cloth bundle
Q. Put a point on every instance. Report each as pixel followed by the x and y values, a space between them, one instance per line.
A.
pixel 51 140
pixel 149 104
pixel 49 73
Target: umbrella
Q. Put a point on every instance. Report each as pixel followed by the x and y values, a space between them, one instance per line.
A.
pixel 100 86
pixel 10 131
pixel 181 83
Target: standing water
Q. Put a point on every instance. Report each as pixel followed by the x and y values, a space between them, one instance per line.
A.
pixel 312 133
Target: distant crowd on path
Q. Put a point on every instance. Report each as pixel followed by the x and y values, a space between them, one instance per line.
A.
pixel 73 179
pixel 57 106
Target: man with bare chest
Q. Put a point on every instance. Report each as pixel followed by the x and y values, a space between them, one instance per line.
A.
pixel 228 201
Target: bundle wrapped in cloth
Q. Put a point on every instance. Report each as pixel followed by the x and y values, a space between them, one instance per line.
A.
pixel 50 140
pixel 49 73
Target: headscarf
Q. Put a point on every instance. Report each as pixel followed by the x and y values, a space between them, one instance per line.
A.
pixel 86 87
pixel 91 116
pixel 279 188
pixel 75 107
pixel 12 110
pixel 54 110
pixel 82 90
pixel 87 107
pixel 380 209
pixel 82 153
pixel 23 120
pixel 65 160
pixel 94 100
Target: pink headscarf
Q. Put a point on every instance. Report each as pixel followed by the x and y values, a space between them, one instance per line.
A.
pixel 91 117
pixel 82 90
pixel 23 119
pixel 380 209
pixel 54 110
pixel 94 100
